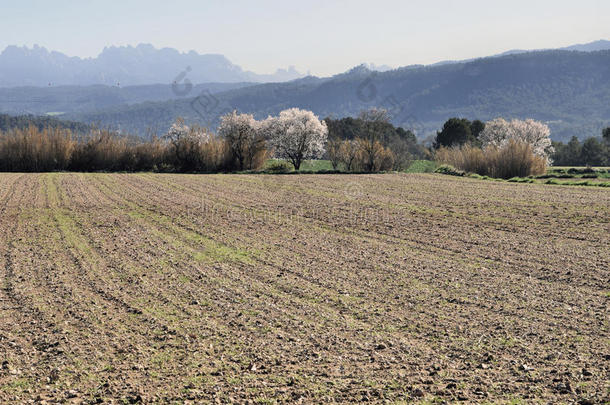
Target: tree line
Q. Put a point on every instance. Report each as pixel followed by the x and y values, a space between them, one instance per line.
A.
pixel 9 122
pixel 593 151
pixel 241 143
pixel 367 143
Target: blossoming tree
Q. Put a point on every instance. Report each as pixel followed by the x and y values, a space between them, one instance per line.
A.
pixel 296 135
pixel 498 132
pixel 241 131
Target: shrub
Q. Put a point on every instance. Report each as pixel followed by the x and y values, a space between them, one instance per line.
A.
pixel 196 149
pixel 590 176
pixel 214 155
pixel 576 170
pixel 521 180
pixel 149 156
pixel 478 176
pixel 513 159
pixel 387 160
pixel 183 149
pixel 101 151
pixel 104 150
pixel 373 156
pixel 34 150
pixel 279 167
pixel 450 170
pixel 467 158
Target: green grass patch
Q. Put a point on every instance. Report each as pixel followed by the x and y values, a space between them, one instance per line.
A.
pixel 316 165
pixel 576 173
pixel 308 166
pixel 422 166
pixel 215 252
pixel 583 183
pixel 450 170
pixel 479 177
pixel 543 179
pixel 521 180
pixel 16 386
pixel 211 250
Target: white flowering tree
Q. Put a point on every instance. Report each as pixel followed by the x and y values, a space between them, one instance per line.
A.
pixel 179 131
pixel 241 131
pixel 296 135
pixel 186 144
pixel 498 132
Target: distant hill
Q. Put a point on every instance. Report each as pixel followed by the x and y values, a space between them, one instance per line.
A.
pixel 567 89
pixel 72 99
pixel 124 65
pixel 600 45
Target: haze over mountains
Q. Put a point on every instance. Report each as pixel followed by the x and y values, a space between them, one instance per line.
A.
pixel 144 65
pixel 569 89
pixel 124 66
pixel 71 99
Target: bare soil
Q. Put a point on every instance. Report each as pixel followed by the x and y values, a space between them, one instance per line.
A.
pixel 311 288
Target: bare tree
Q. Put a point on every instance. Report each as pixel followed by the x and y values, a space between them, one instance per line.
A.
pixel 333 150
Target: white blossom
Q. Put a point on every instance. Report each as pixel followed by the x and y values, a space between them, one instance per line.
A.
pixel 497 133
pixel 234 125
pixel 179 131
pixel 241 131
pixel 296 135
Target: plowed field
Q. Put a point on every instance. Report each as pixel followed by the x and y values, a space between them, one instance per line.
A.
pixel 311 288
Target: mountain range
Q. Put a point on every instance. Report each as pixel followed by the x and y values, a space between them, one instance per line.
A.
pixel 124 66
pixel 568 90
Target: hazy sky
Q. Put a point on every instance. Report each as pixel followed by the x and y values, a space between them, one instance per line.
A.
pixel 324 37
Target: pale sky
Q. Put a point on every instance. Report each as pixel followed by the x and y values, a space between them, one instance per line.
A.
pixel 323 37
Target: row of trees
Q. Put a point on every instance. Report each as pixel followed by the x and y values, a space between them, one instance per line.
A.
pixel 361 155
pixel 593 151
pixel 371 143
pixel 9 122
pixel 368 143
pixel 242 143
